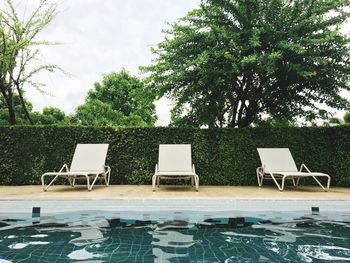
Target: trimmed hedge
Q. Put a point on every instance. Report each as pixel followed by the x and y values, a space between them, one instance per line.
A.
pixel 221 156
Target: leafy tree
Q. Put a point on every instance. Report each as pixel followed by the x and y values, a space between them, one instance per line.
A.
pixel 230 61
pixel 126 95
pixel 347 117
pixel 20 53
pixel 315 118
pixel 50 116
pixel 56 113
pixel 98 113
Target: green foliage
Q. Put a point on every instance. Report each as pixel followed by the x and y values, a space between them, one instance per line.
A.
pixel 335 121
pixel 50 116
pixel 18 109
pixel 98 113
pixel 274 122
pixel 347 117
pixel 221 156
pixel 229 61
pixel 126 95
pixel 318 117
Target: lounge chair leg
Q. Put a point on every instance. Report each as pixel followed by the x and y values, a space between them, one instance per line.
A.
pixel 93 182
pixel 328 182
pixel 277 184
pixel 70 181
pixel 43 182
pixel 88 182
pixel 260 176
pixel 109 177
pixel 154 180
pixel 106 180
pixel 196 181
pixel 283 181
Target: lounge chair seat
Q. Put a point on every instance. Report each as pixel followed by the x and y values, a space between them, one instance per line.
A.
pixel 88 163
pixel 176 173
pixel 278 163
pixel 93 173
pixel 299 174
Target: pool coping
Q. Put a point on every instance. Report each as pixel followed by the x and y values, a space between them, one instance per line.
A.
pixel 172 204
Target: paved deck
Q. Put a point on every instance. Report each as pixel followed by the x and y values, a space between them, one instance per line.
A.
pixel 145 192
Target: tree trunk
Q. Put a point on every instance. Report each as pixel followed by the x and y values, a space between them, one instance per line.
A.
pixel 240 115
pixel 26 113
pixel 250 114
pixel 233 122
pixel 11 109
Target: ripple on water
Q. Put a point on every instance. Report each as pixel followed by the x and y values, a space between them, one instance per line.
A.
pixel 23 245
pixel 309 252
pixel 82 254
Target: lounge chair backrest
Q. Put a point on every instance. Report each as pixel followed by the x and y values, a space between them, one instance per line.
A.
pixel 89 157
pixel 175 158
pixel 277 160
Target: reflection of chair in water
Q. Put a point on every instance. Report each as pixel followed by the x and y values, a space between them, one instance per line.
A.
pixel 164 257
pixel 165 236
pixel 88 236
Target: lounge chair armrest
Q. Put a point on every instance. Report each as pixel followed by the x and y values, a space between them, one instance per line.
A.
pixel 107 173
pixel 305 167
pixel 107 169
pixel 156 169
pixel 260 170
pixel 65 166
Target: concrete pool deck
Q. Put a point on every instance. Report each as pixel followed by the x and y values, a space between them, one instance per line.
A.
pixel 165 192
pixel 132 198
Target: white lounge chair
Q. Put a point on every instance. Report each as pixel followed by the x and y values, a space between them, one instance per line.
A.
pixel 88 163
pixel 175 162
pixel 278 163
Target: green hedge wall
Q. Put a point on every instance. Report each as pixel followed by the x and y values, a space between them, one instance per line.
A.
pixel 221 156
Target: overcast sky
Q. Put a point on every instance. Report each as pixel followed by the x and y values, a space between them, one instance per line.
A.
pixel 101 36
pixel 98 37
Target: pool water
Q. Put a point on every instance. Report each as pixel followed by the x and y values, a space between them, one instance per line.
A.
pixel 98 236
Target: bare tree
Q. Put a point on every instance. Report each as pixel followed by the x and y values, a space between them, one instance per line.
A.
pixel 20 52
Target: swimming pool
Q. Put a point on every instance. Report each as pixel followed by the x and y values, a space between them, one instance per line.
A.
pixel 180 236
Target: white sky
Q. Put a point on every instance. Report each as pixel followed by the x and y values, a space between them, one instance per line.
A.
pixel 101 36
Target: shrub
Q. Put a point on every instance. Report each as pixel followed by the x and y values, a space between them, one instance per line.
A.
pixel 221 156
